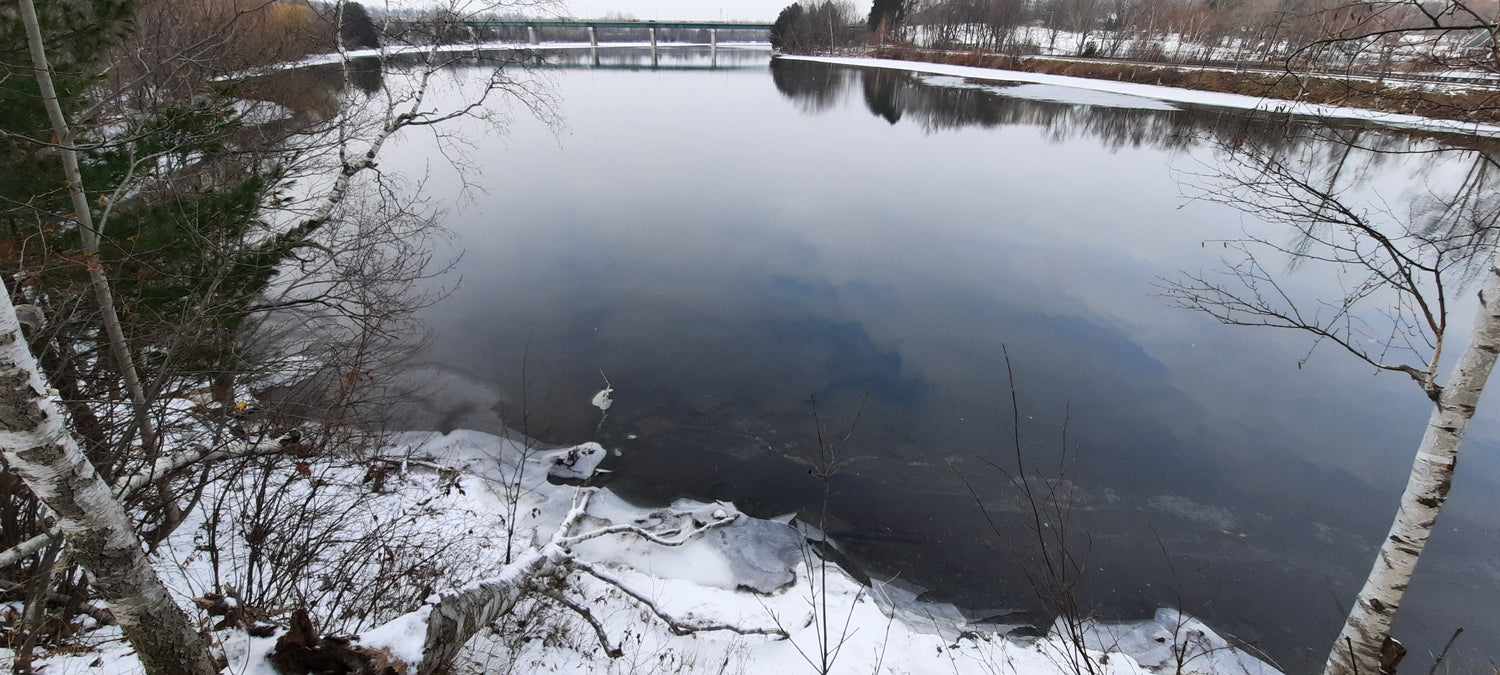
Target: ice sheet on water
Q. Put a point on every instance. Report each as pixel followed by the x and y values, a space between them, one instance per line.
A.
pixel 1172 94
pixel 1055 93
pixel 903 600
pixel 602 399
pixel 1187 509
pixel 762 553
pixel 1168 640
pixel 900 599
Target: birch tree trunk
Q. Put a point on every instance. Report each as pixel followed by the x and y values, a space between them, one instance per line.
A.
pixel 457 617
pixel 1358 650
pixel 45 455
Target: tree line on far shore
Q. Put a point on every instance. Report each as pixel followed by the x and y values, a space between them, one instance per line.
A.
pixel 1380 36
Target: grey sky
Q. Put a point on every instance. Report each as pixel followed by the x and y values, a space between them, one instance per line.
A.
pixel 742 10
pixel 748 10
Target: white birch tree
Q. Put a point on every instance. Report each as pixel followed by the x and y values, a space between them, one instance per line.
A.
pixel 38 447
pixel 1406 268
pixel 1365 645
pixel 1452 36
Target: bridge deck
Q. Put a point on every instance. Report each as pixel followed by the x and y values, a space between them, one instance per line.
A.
pixel 585 23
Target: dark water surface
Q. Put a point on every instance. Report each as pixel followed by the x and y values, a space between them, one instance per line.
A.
pixel 728 245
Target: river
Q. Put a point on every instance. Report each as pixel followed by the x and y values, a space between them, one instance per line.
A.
pixel 750 249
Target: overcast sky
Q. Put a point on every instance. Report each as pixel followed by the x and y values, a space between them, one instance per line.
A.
pixel 747 10
pixel 664 10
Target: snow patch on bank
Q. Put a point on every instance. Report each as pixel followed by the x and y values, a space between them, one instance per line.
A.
pixel 402 636
pixel 1052 93
pixel 753 574
pixel 1157 93
pixel 1172 642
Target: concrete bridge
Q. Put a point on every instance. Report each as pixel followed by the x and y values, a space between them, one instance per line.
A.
pixel 593 26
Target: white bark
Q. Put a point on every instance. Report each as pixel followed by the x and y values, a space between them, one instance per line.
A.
pixel 29 547
pixel 167 465
pixel 125 486
pixel 458 615
pixel 42 452
pixel 1358 648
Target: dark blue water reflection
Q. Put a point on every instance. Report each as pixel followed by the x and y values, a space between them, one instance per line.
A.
pixel 728 245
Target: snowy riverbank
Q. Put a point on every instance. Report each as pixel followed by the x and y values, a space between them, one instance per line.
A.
pixel 749 578
pixel 1173 95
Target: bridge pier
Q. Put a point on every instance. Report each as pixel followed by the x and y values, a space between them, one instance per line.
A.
pixel 713 38
pixel 534 26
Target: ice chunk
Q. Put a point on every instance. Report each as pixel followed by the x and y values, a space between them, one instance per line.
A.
pixel 901 599
pixel 575 463
pixel 762 554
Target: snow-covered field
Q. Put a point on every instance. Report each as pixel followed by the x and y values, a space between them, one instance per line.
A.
pixel 1150 93
pixel 456 491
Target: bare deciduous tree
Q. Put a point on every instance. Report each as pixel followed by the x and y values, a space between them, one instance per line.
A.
pixel 1400 273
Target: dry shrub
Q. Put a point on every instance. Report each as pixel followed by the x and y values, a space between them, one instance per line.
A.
pixel 355 541
pixel 177 46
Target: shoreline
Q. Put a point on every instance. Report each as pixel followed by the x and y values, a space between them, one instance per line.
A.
pixel 1175 95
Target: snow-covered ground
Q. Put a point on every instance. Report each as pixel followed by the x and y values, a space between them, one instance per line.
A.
pixel 1415 48
pixel 1152 93
pixel 753 574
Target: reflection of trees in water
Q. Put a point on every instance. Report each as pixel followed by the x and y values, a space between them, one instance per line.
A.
pixel 813 86
pixel 1465 219
pixel 1454 210
pixel 898 95
pixel 315 94
pixel 1439 198
pixel 881 89
pixel 1440 201
pixel 308 93
pixel 367 74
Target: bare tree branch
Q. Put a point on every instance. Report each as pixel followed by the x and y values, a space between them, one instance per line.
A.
pixel 678 625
